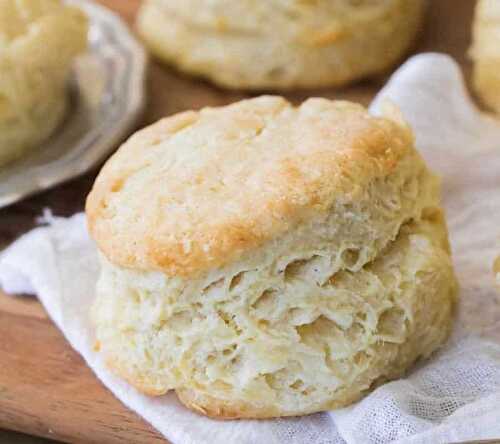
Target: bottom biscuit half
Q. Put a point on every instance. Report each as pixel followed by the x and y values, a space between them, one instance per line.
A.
pixel 255 346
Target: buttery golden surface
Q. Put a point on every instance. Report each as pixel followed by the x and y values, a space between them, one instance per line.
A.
pixel 199 189
pixel 280 44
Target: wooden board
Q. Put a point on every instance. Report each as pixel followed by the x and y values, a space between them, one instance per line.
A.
pixel 45 387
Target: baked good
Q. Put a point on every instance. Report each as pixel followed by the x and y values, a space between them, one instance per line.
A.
pixel 38 41
pixel 266 260
pixel 280 44
pixel 485 52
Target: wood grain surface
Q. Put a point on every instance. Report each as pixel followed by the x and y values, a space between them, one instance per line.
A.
pixel 45 387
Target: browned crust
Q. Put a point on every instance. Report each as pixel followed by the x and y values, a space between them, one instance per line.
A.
pixel 224 409
pixel 236 409
pixel 140 382
pixel 150 231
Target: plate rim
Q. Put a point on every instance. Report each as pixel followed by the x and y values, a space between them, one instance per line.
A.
pixel 41 181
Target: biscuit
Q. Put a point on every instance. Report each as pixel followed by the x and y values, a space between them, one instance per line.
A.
pixel 485 52
pixel 268 260
pixel 280 44
pixel 38 41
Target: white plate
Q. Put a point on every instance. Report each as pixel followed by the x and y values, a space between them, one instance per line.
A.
pixel 107 98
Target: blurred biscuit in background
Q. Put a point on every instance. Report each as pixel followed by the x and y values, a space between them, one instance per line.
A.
pixel 280 44
pixel 485 52
pixel 38 42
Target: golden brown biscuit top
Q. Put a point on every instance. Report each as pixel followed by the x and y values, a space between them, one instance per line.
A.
pixel 196 190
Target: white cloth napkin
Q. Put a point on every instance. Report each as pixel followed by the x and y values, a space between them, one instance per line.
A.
pixel 454 396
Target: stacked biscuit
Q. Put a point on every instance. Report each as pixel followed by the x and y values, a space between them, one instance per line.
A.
pixel 264 260
pixel 38 42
